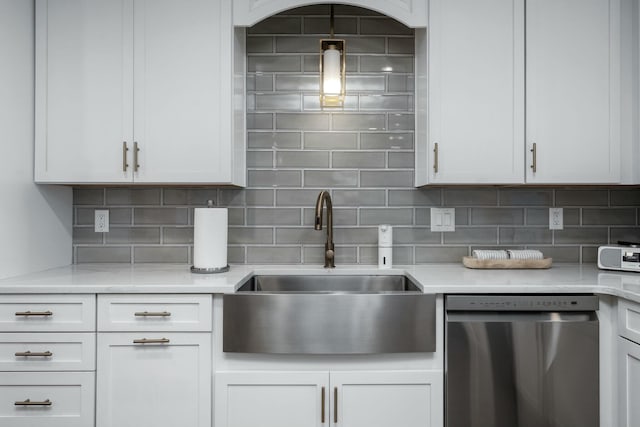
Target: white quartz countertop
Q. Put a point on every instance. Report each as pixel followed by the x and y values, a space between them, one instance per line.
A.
pixel 434 278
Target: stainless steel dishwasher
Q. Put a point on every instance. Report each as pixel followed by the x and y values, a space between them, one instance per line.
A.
pixel 522 361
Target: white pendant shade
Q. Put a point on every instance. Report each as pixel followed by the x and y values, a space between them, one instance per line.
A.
pixel 332 81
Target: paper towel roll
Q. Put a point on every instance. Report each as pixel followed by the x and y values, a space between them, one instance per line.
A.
pixel 210 238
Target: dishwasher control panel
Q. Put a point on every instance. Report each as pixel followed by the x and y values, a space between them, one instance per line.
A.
pixel 521 302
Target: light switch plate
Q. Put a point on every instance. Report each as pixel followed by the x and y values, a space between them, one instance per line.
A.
pixel 443 219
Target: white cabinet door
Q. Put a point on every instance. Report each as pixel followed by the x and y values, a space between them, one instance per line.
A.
pixel 154 384
pixel 573 91
pixel 84 92
pixel 383 399
pixel 182 121
pixel 629 383
pixel 272 399
pixel 476 92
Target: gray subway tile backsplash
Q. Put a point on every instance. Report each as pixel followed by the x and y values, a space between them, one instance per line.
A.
pixel 497 216
pixel 152 216
pixel 88 196
pixel 274 178
pixel 386 141
pixel 133 196
pixel 363 154
pixel 359 198
pixel 359 122
pixel 332 178
pixel 302 159
pixel 161 254
pixel 119 235
pixel 273 216
pixel 271 140
pixel 300 121
pixel 386 64
pixel 317 25
pixel 330 140
pixel 609 216
pixel 341 217
pixel 358 159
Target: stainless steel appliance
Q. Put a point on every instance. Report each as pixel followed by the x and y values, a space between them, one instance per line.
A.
pixel 522 361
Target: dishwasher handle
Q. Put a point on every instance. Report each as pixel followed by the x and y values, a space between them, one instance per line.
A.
pixel 520 316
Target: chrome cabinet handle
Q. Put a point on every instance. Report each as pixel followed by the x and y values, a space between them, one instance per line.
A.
pixel 322 403
pixel 125 165
pixel 33 354
pixel 335 404
pixel 435 157
pixel 151 341
pixel 34 313
pixel 28 402
pixel 534 163
pixel 152 314
pixel 136 150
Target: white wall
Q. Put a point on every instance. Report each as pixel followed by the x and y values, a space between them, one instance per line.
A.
pixel 35 221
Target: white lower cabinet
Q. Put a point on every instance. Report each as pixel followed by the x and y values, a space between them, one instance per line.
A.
pixel 382 399
pixel 629 383
pixel 154 379
pixel 339 398
pixel 47 399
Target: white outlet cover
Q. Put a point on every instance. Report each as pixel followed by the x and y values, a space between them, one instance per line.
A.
pixel 556 219
pixel 443 219
pixel 101 221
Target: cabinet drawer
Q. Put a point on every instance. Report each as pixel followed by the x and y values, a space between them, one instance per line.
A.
pixel 47 352
pixel 47 313
pixel 154 313
pixel 629 320
pixel 70 397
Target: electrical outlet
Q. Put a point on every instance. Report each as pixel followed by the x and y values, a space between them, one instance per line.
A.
pixel 443 219
pixel 556 220
pixel 101 221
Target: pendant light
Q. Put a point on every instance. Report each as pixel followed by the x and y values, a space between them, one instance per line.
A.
pixel 332 69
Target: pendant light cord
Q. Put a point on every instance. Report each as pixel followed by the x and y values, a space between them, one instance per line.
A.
pixel 331 22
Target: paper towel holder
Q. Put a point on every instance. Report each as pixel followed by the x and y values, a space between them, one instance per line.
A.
pixel 197 270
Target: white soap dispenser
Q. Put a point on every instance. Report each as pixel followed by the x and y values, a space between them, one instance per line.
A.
pixel 385 246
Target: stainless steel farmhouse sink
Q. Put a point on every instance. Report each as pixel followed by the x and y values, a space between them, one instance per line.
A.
pixel 329 314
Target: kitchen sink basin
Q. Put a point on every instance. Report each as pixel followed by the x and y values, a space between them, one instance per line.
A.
pixel 329 284
pixel 329 314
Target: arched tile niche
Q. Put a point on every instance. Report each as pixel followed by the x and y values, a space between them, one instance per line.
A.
pixel 412 13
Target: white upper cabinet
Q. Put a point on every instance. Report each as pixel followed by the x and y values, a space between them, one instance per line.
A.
pixel 476 96
pixel 573 78
pixel 143 91
pixel 83 90
pixel 495 96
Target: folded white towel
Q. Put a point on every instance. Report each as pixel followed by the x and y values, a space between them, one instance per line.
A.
pixel 525 254
pixel 490 254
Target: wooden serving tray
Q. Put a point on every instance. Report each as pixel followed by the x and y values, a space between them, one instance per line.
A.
pixel 471 262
